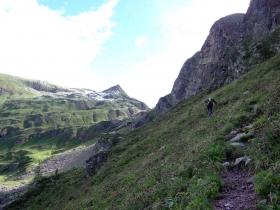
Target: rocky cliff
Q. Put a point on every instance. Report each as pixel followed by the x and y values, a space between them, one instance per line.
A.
pixel 226 53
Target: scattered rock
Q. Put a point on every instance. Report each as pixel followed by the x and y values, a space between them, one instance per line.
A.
pixel 251 180
pixel 162 148
pixel 167 202
pixel 237 137
pixel 256 109
pixel 228 206
pixel 238 144
pixel 245 159
pixel 248 127
pixel 150 155
pixel 226 164
pixel 233 133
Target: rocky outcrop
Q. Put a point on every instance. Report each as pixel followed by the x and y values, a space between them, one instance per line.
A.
pixel 235 44
pixel 95 162
pixel 100 153
pixel 8 131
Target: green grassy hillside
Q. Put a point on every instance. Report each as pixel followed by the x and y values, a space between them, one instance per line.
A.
pixel 15 87
pixel 176 159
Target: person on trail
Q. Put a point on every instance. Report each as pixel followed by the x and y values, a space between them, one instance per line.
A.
pixel 209 103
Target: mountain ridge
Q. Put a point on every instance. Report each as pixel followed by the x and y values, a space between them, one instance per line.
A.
pixel 44 88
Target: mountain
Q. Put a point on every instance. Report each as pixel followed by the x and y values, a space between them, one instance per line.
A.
pixel 39 120
pixel 235 45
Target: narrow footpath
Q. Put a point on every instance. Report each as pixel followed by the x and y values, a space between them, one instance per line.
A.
pixel 238 192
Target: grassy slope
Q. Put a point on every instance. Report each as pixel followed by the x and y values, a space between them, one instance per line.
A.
pixel 13 87
pixel 180 154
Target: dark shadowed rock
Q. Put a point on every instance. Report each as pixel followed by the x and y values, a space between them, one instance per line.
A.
pixel 95 162
pixel 13 166
pixel 100 153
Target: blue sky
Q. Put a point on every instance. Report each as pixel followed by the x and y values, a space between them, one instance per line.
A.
pixel 139 44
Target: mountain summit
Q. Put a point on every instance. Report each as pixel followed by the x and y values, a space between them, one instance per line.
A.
pixel 116 90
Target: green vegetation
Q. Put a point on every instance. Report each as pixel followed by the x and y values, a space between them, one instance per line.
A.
pixel 175 161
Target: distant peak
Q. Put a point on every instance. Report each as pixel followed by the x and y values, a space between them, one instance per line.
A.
pixel 116 89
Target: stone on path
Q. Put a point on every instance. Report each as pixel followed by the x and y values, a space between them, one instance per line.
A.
pixel 237 137
pixel 238 144
pixel 245 159
pixel 237 194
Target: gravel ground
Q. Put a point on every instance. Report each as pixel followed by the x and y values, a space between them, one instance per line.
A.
pixel 67 160
pixel 238 193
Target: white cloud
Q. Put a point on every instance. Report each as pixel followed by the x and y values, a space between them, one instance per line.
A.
pixel 39 43
pixel 141 40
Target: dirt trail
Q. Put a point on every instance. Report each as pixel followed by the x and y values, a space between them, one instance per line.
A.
pixel 238 193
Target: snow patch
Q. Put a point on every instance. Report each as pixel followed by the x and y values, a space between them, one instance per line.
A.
pixel 91 94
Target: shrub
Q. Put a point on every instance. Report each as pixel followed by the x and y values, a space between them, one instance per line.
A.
pixel 218 151
pixel 267 185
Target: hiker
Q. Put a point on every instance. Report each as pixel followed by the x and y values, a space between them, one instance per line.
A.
pixel 209 103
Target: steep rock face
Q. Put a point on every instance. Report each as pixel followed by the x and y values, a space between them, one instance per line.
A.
pixel 262 17
pixel 222 57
